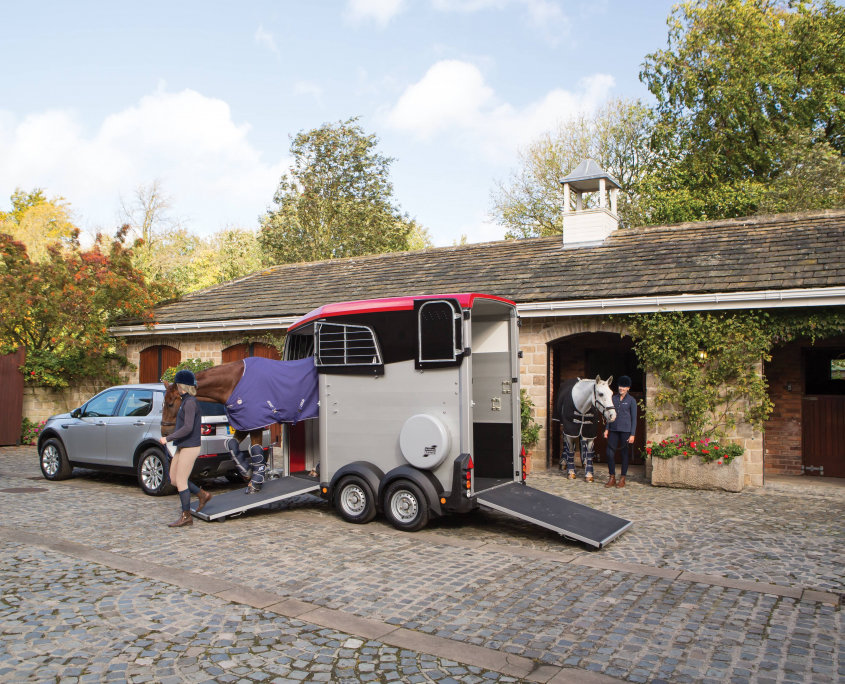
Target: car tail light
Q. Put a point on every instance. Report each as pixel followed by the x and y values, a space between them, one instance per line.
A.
pixel 206 429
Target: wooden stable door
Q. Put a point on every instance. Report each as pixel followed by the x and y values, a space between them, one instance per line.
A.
pixel 11 399
pixel 155 360
pixel 823 435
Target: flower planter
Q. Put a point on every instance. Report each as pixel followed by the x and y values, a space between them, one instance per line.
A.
pixel 692 473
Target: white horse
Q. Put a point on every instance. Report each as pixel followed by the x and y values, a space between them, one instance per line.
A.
pixel 579 403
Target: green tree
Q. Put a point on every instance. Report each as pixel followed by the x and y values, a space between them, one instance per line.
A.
pixel 617 136
pixel 60 308
pixel 336 200
pixel 740 84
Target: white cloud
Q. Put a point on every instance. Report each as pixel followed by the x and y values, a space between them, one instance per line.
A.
pixel 380 11
pixel 544 16
pixel 266 39
pixel 308 88
pixel 453 99
pixel 186 140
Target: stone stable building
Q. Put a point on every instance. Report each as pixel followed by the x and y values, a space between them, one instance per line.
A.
pixel 570 297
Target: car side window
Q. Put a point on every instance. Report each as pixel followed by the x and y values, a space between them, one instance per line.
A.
pixel 103 405
pixel 138 402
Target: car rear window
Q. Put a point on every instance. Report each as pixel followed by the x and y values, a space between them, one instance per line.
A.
pixel 212 408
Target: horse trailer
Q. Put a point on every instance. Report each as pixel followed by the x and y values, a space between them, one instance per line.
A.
pixel 419 416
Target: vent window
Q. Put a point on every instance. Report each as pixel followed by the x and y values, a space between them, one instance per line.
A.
pixel 439 333
pixel 342 345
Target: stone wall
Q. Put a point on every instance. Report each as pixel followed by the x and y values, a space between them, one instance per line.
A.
pixel 744 434
pixel 39 403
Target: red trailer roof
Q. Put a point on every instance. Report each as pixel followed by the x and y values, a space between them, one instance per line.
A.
pixel 465 300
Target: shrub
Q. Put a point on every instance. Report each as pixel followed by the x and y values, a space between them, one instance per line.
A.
pixel 30 431
pixel 708 450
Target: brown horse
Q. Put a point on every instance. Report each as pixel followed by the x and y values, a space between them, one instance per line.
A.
pixel 217 384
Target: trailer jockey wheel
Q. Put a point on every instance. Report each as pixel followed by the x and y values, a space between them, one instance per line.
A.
pixel 405 506
pixel 354 500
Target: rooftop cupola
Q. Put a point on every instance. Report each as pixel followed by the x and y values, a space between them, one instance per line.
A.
pixel 590 226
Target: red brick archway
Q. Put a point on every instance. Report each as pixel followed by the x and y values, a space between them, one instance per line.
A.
pixel 586 355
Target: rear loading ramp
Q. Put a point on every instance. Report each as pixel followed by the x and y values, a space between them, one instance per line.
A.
pixel 570 519
pixel 222 506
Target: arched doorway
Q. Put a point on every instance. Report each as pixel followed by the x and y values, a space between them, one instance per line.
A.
pixel 155 360
pixel 238 352
pixel 587 355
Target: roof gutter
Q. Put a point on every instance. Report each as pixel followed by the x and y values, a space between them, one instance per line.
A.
pixel 277 323
pixel 720 301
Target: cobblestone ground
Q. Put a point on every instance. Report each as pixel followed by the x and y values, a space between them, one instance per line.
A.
pixel 64 620
pixel 488 580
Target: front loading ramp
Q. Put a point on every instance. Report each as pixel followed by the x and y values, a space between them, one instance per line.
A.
pixel 572 520
pixel 231 503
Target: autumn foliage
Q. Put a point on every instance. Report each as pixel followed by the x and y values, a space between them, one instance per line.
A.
pixel 59 308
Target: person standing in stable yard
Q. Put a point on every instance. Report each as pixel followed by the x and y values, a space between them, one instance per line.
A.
pixel 186 437
pixel 621 432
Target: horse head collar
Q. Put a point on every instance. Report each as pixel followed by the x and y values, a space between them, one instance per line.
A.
pixel 608 411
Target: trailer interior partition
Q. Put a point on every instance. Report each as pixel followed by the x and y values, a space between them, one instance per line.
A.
pixel 494 383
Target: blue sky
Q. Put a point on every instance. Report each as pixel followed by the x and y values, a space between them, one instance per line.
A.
pixel 100 98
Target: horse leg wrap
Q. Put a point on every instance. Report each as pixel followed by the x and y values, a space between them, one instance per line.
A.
pixel 588 454
pixel 240 462
pixel 569 456
pixel 256 459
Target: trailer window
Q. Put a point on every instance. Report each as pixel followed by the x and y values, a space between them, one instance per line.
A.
pixel 299 347
pixel 439 332
pixel 340 345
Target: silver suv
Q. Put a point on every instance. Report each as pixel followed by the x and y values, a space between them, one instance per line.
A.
pixel 118 430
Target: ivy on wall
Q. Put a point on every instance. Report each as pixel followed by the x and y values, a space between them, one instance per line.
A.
pixel 708 363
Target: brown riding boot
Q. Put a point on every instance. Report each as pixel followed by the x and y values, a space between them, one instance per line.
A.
pixel 611 482
pixel 184 520
pixel 204 497
pixel 621 482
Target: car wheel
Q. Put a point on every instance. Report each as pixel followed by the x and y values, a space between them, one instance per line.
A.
pixel 53 460
pixel 354 500
pixel 406 506
pixel 154 473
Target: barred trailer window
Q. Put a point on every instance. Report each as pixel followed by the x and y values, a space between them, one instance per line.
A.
pixel 439 327
pixel 339 344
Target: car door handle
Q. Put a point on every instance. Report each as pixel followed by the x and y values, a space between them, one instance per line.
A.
pixel 139 423
pixel 100 423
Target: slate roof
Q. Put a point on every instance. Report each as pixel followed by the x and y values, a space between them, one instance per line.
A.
pixel 758 253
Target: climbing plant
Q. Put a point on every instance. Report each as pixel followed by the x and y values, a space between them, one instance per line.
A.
pixel 708 363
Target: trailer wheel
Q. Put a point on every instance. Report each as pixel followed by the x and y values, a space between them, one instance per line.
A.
pixel 405 506
pixel 354 500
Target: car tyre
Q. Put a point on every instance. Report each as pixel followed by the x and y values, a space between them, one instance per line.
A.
pixel 154 472
pixel 53 460
pixel 405 506
pixel 354 500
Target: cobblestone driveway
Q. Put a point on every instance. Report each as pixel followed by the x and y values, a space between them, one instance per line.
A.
pixel 706 586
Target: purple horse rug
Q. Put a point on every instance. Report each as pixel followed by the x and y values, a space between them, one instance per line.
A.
pixel 273 392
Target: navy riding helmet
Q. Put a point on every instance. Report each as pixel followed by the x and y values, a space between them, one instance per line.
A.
pixel 185 377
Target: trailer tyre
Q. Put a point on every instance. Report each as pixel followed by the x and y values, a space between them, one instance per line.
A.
pixel 354 500
pixel 405 506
